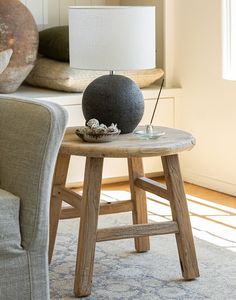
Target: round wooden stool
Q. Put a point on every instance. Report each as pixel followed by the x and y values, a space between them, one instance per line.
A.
pixel 87 206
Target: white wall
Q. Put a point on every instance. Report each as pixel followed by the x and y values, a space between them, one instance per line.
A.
pixel 190 31
pixel 208 108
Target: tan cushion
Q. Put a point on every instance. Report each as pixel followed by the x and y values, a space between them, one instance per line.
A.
pixel 56 75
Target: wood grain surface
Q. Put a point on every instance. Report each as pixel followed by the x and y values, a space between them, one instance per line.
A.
pixel 60 175
pixel 130 145
pixel 180 214
pixel 88 226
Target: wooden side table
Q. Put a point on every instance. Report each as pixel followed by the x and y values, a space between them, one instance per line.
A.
pixel 87 206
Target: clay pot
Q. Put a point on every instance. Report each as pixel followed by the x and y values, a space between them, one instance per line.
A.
pixel 18 32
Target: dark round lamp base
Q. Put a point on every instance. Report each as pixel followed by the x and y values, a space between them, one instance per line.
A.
pixel 114 99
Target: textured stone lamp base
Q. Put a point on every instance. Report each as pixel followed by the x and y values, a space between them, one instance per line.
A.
pixel 114 99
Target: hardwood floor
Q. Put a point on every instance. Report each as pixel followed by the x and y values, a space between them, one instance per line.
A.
pixel 191 189
pixel 212 214
pixel 210 195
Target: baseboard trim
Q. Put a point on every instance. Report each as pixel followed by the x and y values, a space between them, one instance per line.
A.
pixel 209 182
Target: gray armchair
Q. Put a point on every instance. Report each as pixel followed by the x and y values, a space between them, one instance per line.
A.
pixel 30 136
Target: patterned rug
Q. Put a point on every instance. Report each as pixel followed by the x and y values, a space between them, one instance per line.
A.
pixel 122 274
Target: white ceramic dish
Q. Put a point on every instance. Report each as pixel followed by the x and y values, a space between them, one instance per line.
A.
pixel 150 136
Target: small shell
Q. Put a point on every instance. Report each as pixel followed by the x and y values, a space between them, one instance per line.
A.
pixel 93 123
pixel 103 126
pixel 100 130
pixel 112 128
pixel 93 127
pixel 96 133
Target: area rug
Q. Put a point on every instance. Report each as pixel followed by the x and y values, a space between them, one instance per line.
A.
pixel 122 274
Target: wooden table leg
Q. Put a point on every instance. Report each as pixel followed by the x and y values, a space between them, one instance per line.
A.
pixel 60 175
pixel 88 226
pixel 180 214
pixel 138 197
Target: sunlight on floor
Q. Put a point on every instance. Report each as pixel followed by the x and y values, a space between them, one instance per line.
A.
pixel 212 222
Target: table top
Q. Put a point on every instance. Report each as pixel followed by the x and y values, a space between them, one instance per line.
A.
pixel 130 145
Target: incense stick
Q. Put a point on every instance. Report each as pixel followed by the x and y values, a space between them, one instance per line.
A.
pixel 153 114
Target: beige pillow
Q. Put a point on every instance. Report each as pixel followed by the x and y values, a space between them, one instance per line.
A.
pixel 56 75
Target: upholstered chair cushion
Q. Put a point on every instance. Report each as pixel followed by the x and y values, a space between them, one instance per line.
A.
pixel 30 136
pixel 9 223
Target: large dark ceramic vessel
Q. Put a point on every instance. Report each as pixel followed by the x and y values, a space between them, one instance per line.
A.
pixel 114 99
pixel 18 32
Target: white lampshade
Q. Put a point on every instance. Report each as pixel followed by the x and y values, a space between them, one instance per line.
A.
pixel 112 37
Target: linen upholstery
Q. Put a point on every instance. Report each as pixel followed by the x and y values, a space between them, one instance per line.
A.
pixel 30 136
pixel 9 222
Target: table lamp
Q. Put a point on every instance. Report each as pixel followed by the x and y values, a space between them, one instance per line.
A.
pixel 112 38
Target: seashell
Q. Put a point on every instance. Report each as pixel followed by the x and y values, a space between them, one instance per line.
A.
pixel 93 123
pixel 103 126
pixel 96 133
pixel 112 128
pixel 100 130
